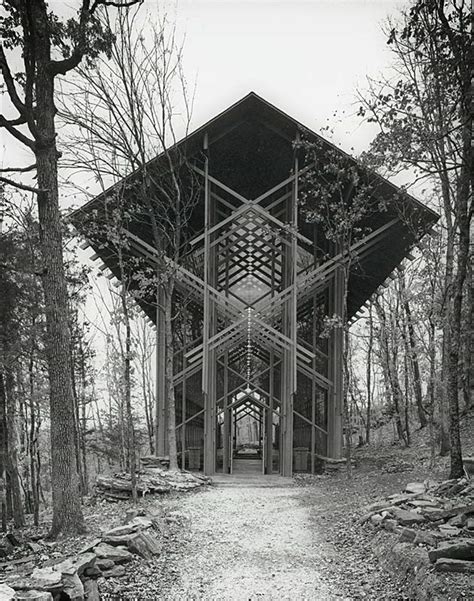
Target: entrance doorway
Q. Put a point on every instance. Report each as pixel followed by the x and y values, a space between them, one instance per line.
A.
pixel 248 437
pixel 247 440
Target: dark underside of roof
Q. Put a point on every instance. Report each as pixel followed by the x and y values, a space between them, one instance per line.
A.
pixel 250 150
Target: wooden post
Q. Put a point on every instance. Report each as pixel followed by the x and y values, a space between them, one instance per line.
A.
pixel 183 420
pixel 289 364
pixel 209 357
pixel 226 429
pixel 290 358
pixel 269 417
pixel 313 383
pixel 271 382
pixel 336 299
pixel 210 419
pixel 286 452
pixel 285 448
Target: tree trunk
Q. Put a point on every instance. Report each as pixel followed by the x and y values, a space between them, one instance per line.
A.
pixel 463 214
pixel 83 421
pixel 3 452
pixel 346 408
pixel 67 514
pixel 77 426
pixel 407 397
pixel 173 450
pixel 369 375
pixel 128 390
pixel 413 356
pixel 33 439
pixel 33 402
pixel 101 430
pixel 397 399
pixel 468 340
pixel 85 471
pixel 447 334
pixel 148 408
pixel 22 421
pixel 455 340
pixel 126 357
pixel 430 393
pixel 448 278
pixel 389 371
pixel 12 445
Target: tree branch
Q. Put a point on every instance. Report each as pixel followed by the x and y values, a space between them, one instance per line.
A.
pixel 16 134
pixel 12 122
pixel 10 83
pixel 10 182
pixel 67 64
pixel 115 3
pixel 71 62
pixel 18 169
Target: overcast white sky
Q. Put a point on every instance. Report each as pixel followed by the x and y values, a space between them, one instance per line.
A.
pixel 305 56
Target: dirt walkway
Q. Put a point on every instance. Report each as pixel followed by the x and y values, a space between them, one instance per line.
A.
pixel 251 543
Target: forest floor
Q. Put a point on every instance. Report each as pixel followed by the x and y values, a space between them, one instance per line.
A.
pixel 296 539
pixel 251 543
pixel 303 541
pixel 300 542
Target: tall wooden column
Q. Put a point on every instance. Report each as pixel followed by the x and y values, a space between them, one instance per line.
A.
pixel 269 419
pixel 227 418
pixel 286 450
pixel 336 347
pixel 209 357
pixel 210 419
pixel 289 323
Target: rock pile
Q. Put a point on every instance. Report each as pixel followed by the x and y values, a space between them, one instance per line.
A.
pixel 439 516
pixel 153 478
pixel 75 578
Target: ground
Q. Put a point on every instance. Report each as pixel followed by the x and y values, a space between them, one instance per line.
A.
pixel 251 543
pixel 290 539
pixel 297 540
pixel 301 539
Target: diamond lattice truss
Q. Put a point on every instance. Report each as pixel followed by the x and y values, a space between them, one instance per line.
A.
pixel 258 285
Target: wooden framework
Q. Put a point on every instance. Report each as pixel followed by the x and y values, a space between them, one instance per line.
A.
pixel 258 274
pixel 260 289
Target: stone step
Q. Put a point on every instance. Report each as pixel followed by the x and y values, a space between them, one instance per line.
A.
pixel 251 481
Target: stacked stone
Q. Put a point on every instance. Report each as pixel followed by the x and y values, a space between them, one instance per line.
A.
pixel 438 516
pixel 76 577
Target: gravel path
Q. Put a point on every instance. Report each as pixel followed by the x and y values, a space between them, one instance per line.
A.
pixel 251 543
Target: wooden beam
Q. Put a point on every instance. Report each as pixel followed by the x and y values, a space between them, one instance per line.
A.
pixel 335 409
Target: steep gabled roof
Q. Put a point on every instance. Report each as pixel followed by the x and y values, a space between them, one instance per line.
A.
pixel 267 113
pixel 237 133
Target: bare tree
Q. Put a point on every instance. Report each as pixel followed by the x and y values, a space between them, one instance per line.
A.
pixel 425 121
pixel 124 113
pixel 410 340
pixel 368 375
pixel 389 358
pixel 29 25
pixel 144 345
pixel 338 196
